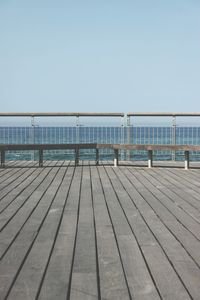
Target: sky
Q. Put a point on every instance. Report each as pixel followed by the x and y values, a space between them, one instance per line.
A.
pixel 99 56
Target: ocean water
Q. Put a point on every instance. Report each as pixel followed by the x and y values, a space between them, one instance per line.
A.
pixel 102 134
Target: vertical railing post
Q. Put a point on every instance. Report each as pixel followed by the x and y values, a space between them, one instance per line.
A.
pixel 76 156
pixel 150 158
pixel 77 141
pixel 40 157
pixel 122 137
pixel 116 157
pixel 77 130
pixel 174 136
pixel 2 158
pixel 187 160
pixel 97 156
pixel 128 124
pixel 32 136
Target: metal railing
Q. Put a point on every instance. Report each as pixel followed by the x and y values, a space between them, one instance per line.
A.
pixel 116 128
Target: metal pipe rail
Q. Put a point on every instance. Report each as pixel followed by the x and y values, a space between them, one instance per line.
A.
pixel 60 114
pixel 101 114
pixel 116 148
pixel 163 114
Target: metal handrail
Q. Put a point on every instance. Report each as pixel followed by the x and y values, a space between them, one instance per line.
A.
pixel 59 114
pixel 163 114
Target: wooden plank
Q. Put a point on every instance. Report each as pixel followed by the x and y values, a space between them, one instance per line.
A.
pixel 113 233
pixel 12 191
pixel 146 147
pixel 14 147
pixel 165 276
pixel 115 147
pixel 8 175
pixel 191 177
pixel 190 223
pixel 13 261
pixel 15 164
pixel 13 173
pixel 56 281
pixel 42 147
pixel 84 274
pixel 178 182
pixel 181 233
pixel 15 167
pixel 176 254
pixel 42 248
pixel 178 196
pixel 17 213
pixel 14 181
pixel 111 279
pixel 138 277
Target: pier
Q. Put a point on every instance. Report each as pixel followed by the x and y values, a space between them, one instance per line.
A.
pixel 106 212
pixel 99 232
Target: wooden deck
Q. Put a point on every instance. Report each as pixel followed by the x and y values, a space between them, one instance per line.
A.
pixel 99 232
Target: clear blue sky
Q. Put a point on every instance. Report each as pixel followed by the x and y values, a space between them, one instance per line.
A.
pixel 105 55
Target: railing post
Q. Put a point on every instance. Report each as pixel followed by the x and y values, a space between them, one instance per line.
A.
pixel 116 158
pixel 76 156
pixel 174 136
pixel 187 160
pixel 122 137
pixel 2 158
pixel 150 158
pixel 128 123
pixel 40 157
pixel 97 156
pixel 77 130
pixel 32 136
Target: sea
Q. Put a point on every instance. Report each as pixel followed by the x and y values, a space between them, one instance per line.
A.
pixel 99 134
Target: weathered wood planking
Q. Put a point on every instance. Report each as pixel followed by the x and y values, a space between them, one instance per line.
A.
pixel 141 285
pixel 18 251
pixel 112 282
pixel 160 219
pixel 190 188
pixel 165 277
pixel 99 232
pixel 84 272
pixel 57 278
